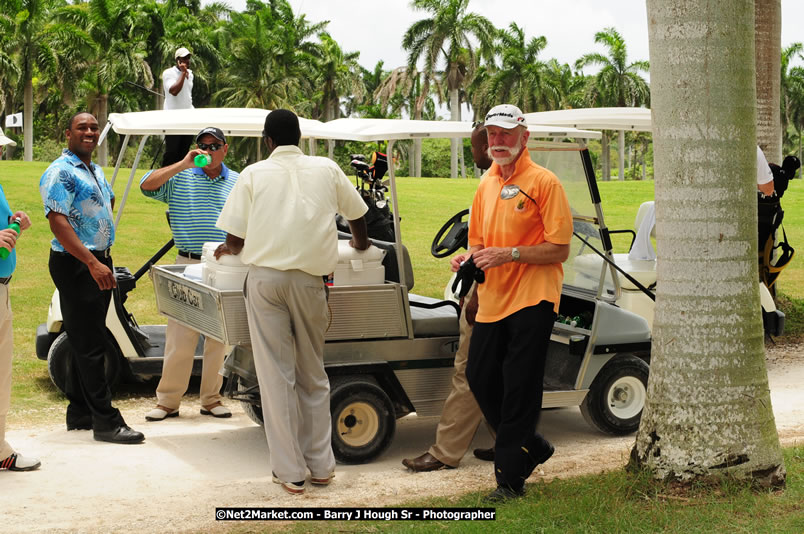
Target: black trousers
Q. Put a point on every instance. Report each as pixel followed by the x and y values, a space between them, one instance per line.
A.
pixel 176 147
pixel 505 370
pixel 83 309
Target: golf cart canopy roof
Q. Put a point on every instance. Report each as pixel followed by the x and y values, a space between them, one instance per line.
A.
pixel 248 122
pixel 635 119
pixel 367 130
pixel 235 122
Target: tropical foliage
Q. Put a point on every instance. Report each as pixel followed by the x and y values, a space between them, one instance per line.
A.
pixel 61 56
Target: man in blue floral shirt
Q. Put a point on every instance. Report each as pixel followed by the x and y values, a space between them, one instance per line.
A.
pixel 78 205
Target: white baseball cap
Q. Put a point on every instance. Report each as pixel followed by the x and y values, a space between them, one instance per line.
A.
pixel 181 52
pixel 505 116
pixel 6 140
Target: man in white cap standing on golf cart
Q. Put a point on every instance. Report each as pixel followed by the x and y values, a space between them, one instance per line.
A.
pixel 178 85
pixel 9 460
pixel 519 235
pixel 196 196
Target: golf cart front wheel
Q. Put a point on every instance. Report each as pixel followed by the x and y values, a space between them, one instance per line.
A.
pixel 617 396
pixel 61 363
pixel 363 419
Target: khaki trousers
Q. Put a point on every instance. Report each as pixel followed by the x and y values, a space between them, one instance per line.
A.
pixel 6 354
pixel 180 344
pixel 461 415
pixel 287 317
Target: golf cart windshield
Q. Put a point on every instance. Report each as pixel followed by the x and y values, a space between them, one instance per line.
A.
pixel 567 161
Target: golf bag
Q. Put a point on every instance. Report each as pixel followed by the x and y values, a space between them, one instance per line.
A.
pixel 379 220
pixel 774 254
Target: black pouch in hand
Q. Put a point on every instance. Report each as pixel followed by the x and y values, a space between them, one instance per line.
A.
pixel 467 273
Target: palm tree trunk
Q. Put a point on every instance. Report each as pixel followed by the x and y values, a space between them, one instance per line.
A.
pixel 621 154
pixel 27 121
pixel 768 43
pixel 330 142
pixel 103 114
pixel 708 411
pixel 605 168
pixel 455 114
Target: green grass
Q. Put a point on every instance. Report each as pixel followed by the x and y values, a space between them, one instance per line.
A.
pixel 610 502
pixel 425 204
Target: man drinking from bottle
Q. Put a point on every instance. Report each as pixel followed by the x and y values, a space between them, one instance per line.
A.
pixel 195 196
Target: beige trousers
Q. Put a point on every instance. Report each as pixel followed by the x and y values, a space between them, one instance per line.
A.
pixel 6 354
pixel 461 415
pixel 287 317
pixel 180 344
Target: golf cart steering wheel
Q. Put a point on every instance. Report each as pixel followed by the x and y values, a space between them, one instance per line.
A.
pixel 457 231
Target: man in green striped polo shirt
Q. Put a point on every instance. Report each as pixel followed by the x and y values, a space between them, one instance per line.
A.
pixel 195 196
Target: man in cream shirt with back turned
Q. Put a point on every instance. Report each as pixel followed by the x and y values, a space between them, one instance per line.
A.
pixel 280 219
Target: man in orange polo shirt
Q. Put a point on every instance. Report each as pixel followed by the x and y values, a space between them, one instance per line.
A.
pixel 519 235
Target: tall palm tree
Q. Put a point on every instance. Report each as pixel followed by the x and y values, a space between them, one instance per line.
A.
pixel 33 52
pixel 338 75
pixel 9 71
pixel 708 412
pixel 791 90
pixel 618 83
pixel 118 54
pixel 446 36
pixel 768 47
pixel 568 87
pixel 522 79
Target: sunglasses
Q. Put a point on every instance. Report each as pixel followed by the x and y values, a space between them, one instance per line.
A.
pixel 211 147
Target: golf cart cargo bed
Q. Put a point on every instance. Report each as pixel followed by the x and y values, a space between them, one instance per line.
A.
pixel 221 313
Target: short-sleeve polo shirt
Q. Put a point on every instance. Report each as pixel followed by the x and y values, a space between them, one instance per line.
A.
pixel 519 222
pixel 195 200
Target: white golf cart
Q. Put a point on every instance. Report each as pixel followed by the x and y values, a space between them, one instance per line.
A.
pixel 137 350
pixel 637 266
pixel 390 352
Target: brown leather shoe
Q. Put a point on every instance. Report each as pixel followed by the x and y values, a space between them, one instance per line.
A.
pixel 484 454
pixel 425 462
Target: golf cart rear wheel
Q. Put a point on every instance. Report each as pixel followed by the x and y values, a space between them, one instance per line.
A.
pixel 61 363
pixel 617 396
pixel 363 419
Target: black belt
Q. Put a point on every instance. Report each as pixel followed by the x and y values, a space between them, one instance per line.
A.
pixel 97 253
pixel 190 255
pixel 5 281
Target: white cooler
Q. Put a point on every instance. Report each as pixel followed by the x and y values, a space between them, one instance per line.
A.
pixel 359 267
pixel 226 273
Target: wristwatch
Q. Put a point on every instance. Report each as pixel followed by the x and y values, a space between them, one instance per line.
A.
pixel 514 254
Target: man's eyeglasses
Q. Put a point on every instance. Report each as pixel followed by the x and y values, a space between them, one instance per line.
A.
pixel 211 147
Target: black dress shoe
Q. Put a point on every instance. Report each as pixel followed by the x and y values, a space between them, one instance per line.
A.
pixel 484 454
pixel 121 434
pixel 425 462
pixel 502 494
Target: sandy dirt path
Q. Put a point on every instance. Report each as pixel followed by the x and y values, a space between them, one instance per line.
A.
pixel 192 464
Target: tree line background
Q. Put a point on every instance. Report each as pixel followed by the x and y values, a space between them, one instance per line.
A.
pixel 106 56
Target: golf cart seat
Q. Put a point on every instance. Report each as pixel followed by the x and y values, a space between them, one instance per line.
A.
pixel 432 317
pixel 640 263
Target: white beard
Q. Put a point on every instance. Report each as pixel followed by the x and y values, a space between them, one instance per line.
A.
pixel 513 153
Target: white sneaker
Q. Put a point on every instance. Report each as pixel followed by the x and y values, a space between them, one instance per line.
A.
pixel 322 481
pixel 17 462
pixel 219 410
pixel 159 413
pixel 294 488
